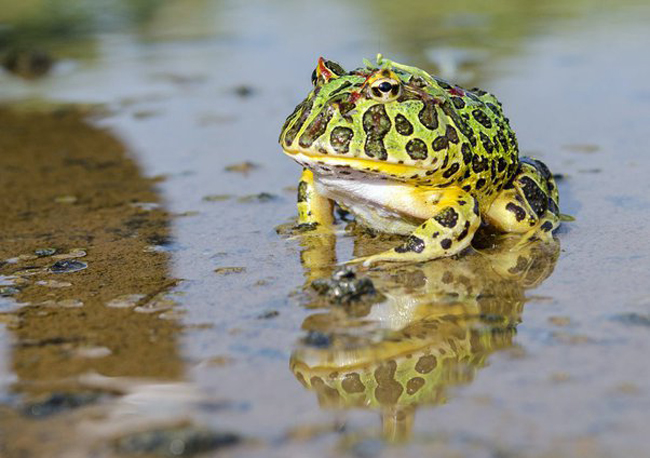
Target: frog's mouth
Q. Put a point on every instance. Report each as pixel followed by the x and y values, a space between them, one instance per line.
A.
pixel 329 163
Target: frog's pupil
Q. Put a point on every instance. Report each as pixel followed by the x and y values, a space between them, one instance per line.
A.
pixel 385 86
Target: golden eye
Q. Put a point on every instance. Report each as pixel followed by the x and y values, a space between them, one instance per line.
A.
pixel 385 89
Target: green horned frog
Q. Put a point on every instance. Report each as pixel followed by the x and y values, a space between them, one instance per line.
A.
pixel 408 153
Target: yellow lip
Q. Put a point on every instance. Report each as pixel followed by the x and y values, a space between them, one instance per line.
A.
pixel 358 163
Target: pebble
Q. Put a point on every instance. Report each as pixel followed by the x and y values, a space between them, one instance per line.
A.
pixel 67 266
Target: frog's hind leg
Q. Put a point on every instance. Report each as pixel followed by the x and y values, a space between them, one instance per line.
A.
pixel 528 204
pixel 449 231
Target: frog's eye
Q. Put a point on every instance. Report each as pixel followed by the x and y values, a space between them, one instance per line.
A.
pixel 325 71
pixel 385 89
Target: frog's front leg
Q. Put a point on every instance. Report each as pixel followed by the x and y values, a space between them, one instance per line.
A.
pixel 528 205
pixel 450 230
pixel 314 209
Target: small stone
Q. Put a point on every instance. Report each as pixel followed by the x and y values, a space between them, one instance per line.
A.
pixel 65 303
pixel 6 291
pixel 634 319
pixel 93 352
pixel 242 167
pixel 43 252
pixel 559 320
pixel 229 270
pixel 244 91
pixel 216 197
pixel 67 266
pixel 53 283
pixel 59 402
pixel 65 199
pixel 146 206
pixel 75 253
pixel 261 197
pixel 125 301
pixel 344 287
pixel 181 441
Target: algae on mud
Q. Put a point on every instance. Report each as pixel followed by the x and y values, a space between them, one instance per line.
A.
pixel 65 326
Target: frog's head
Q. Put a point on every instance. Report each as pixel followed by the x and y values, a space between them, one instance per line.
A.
pixel 386 119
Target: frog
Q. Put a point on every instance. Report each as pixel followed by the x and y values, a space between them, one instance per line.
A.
pixel 409 153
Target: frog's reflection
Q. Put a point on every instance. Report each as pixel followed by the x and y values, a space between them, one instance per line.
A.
pixel 435 329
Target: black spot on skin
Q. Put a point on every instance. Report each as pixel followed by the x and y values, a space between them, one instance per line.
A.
pixel 451 170
pixel 451 134
pixel 340 89
pixel 494 109
pixel 402 125
pixel 539 166
pixel 428 115
pixel 536 197
pixel 480 183
pixel 501 165
pixel 502 139
pixel 416 149
pixel 466 150
pixel 334 68
pixel 443 84
pixel 305 109
pixel 458 102
pixel 467 188
pixel 547 226
pixel 482 118
pixel 552 207
pixel 413 243
pixel 340 139
pixel 445 244
pixel 461 202
pixel 435 235
pixel 447 218
pixel 440 143
pixel 375 148
pixel 479 164
pixel 479 92
pixel 463 234
pixel 476 208
pixel 303 191
pixel 316 128
pixel 519 212
pixel 376 124
pixel 487 144
pixel 345 106
pixel 513 141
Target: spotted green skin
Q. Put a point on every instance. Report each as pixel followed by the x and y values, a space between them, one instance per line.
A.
pixel 433 135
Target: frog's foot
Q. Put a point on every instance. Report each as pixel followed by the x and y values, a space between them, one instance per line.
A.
pixel 448 232
pixel 528 205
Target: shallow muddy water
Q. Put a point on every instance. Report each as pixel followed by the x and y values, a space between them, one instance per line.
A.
pixel 153 302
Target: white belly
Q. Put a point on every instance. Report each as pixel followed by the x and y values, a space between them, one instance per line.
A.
pixel 386 206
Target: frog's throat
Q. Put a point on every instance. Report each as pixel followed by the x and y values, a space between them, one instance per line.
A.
pixel 355 163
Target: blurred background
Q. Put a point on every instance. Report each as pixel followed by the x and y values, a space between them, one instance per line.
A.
pixel 152 304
